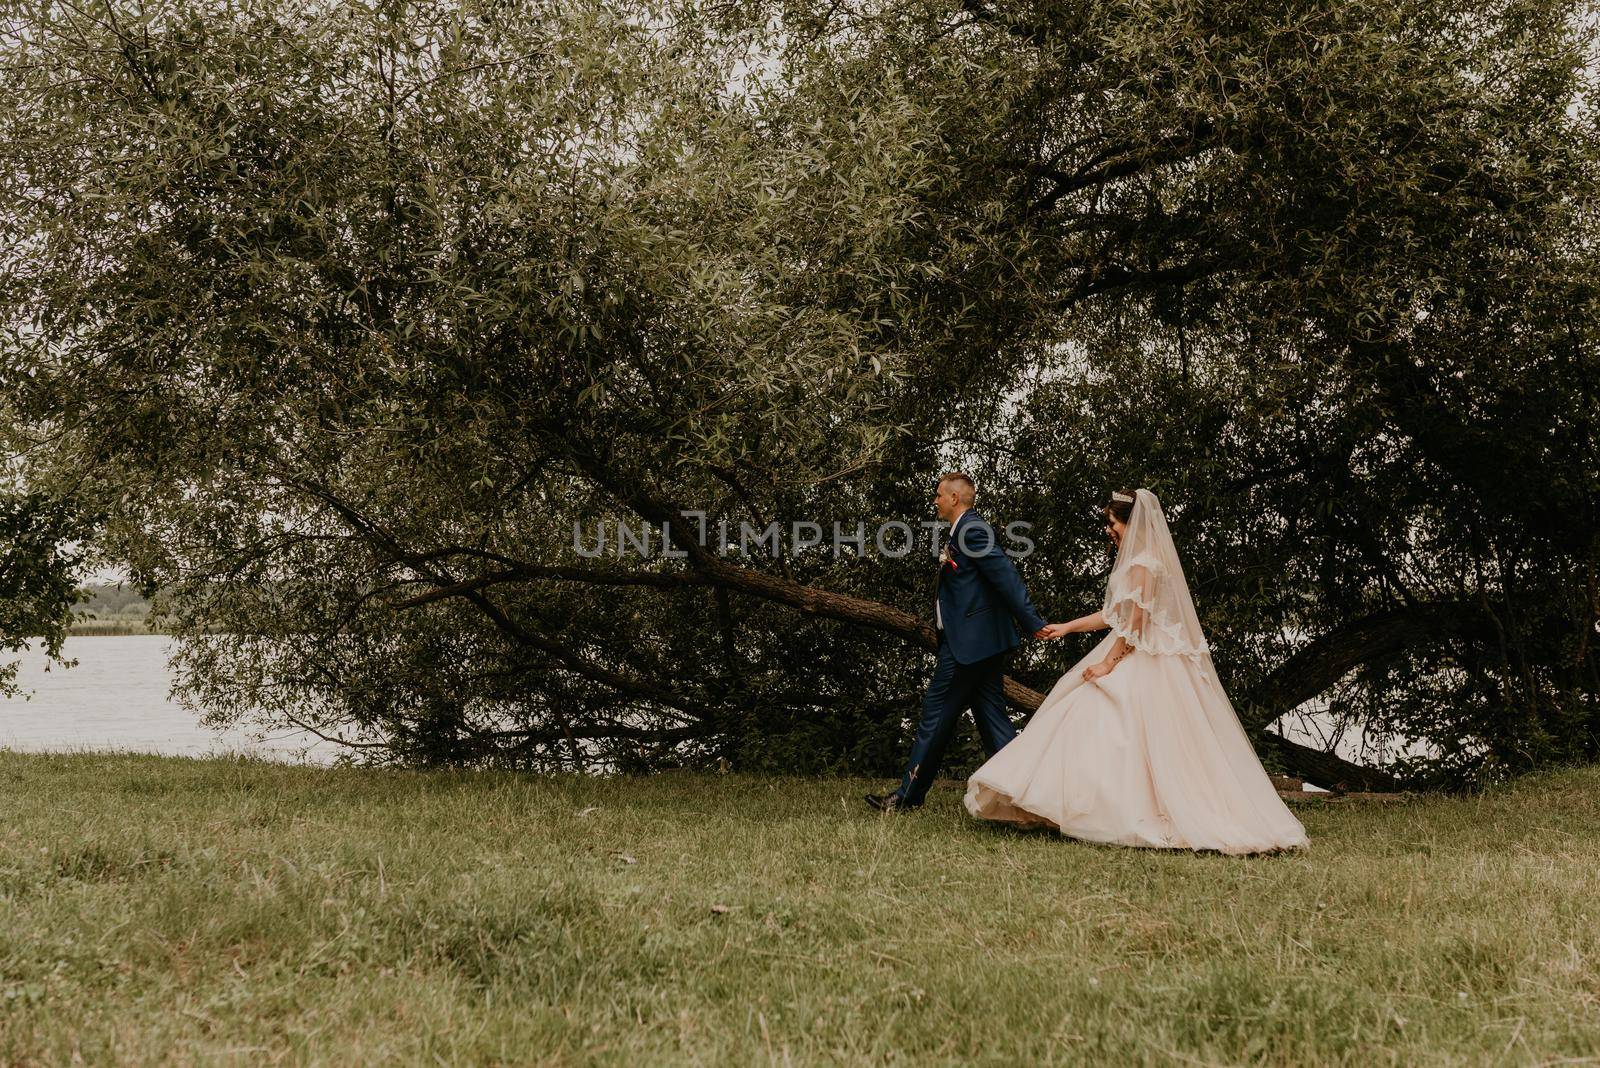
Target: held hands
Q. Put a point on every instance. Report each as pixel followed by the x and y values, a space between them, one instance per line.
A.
pixel 1053 630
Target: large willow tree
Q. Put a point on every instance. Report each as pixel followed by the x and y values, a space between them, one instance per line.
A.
pixel 342 316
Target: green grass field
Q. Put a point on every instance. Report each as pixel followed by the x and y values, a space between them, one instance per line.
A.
pixel 166 911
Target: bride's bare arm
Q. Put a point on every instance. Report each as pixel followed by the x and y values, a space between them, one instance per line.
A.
pixel 1084 624
pixel 1081 625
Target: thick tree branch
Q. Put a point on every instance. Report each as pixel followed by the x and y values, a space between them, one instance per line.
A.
pixel 586 575
pixel 1112 164
pixel 1323 662
pixel 1373 638
pixel 1328 770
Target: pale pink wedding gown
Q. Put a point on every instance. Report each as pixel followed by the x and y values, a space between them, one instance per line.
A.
pixel 1151 754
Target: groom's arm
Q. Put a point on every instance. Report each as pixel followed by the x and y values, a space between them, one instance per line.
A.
pixel 978 542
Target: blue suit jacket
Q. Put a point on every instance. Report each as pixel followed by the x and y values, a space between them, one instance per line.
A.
pixel 981 594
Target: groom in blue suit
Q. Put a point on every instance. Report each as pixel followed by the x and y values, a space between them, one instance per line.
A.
pixel 977 593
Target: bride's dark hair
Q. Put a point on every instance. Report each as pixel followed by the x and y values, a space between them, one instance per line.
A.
pixel 1122 510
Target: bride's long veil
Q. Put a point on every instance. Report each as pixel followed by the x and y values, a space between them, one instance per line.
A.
pixel 1147 598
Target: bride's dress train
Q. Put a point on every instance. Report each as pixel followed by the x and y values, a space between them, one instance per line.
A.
pixel 1151 754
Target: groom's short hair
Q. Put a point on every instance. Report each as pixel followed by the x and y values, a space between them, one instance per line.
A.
pixel 966 489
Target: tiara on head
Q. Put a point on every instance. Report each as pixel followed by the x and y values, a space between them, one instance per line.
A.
pixel 1123 497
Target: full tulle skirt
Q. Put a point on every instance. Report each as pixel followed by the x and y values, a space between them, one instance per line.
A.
pixel 1150 755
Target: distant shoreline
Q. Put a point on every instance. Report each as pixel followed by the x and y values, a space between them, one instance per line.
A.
pixel 110 610
pixel 111 628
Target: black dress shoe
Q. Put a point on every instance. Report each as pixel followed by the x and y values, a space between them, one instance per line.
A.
pixel 889 803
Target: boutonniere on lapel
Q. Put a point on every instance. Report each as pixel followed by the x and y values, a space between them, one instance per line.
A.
pixel 946 559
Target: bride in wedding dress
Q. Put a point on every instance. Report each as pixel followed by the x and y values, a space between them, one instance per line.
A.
pixel 1138 744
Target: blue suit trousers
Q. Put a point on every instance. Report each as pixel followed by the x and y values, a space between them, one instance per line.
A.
pixel 955 687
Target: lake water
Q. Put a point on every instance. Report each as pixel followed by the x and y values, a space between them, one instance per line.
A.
pixel 117 698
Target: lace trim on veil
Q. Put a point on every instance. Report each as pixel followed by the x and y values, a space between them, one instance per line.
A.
pixel 1162 636
pixel 1149 561
pixel 1168 642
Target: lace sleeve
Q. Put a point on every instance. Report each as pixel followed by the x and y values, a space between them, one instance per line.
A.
pixel 1129 597
pixel 1135 610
